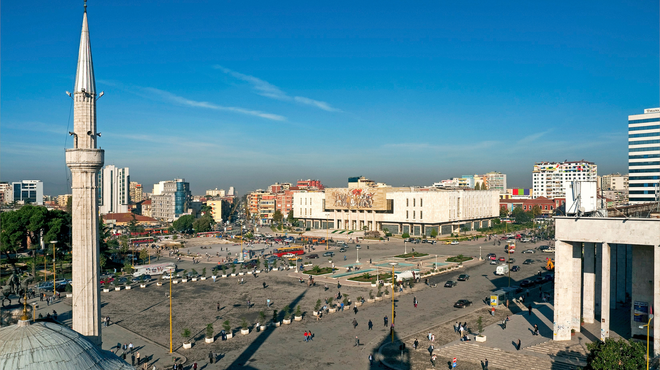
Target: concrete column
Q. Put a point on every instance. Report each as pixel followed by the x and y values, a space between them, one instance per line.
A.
pixel 599 278
pixel 612 275
pixel 621 273
pixel 629 266
pixel 576 271
pixel 589 285
pixel 565 287
pixel 605 293
pixel 656 299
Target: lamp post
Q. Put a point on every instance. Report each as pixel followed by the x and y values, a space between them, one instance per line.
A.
pixel 358 255
pixel 436 262
pixel 53 242
pixel 327 231
pixel 405 247
pixel 479 253
pixel 171 277
pixel 392 330
pixel 241 257
pixel 648 329
pixel 508 251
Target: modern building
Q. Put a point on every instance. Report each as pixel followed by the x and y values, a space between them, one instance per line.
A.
pixel 416 211
pixel 495 181
pixel 28 191
pixel 114 191
pixel 216 192
pixel 550 178
pixel 266 208
pixel 231 192
pixel 278 188
pixel 135 192
pixel 216 209
pixel 63 200
pixel 602 263
pixel 310 184
pixel 172 201
pixel 284 202
pixel 644 156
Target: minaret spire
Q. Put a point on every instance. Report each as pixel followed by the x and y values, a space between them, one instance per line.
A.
pixel 85 73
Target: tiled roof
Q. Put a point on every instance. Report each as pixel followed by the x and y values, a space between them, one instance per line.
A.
pixel 127 217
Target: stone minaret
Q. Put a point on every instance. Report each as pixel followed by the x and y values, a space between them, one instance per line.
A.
pixel 85 161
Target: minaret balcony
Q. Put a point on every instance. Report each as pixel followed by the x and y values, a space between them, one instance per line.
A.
pixel 85 158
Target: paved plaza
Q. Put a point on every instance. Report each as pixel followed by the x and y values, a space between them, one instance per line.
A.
pixel 141 316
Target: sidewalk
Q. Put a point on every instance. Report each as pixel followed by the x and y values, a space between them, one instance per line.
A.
pixel 153 352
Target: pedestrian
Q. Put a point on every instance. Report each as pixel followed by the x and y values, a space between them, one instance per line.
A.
pixel 433 358
pixel 132 360
pixel 485 364
pixel 370 324
pixel 310 336
pixel 385 321
pixel 536 329
pixel 194 366
pixel 504 324
pixel 456 327
pixel 305 334
pixel 118 347
pixel 371 359
pixel 248 304
pixel 355 323
pixel 431 350
pixel 530 309
pixel 415 302
pixel 130 347
pixel 415 344
pixel 211 357
pixel 217 308
pixel 355 310
pixel 264 284
pixel 137 357
pixel 492 311
pixel 519 345
pixel 357 341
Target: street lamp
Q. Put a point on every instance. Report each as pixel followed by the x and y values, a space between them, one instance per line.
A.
pixel 648 328
pixel 405 247
pixel 53 242
pixel 392 330
pixel 436 262
pixel 171 278
pixel 358 255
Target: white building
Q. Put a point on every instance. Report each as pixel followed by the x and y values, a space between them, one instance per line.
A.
pixel 495 181
pixel 216 192
pixel 31 191
pixel 643 155
pixel 416 211
pixel 114 190
pixel 174 199
pixel 550 178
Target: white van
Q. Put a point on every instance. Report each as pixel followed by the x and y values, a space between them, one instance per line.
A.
pixel 502 270
pixel 405 275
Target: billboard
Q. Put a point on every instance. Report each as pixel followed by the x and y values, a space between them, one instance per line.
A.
pixel 356 198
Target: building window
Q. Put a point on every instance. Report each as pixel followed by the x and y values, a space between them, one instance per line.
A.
pixel 413 211
pixel 421 215
pixel 413 203
pixel 406 215
pixel 407 202
pixel 420 203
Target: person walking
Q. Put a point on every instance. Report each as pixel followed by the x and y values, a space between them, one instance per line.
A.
pixel 485 364
pixel 415 302
pixel 355 323
pixel 355 310
pixel 530 309
pixel 305 334
pixel 504 324
pixel 211 357
pixel 385 321
pixel 217 308
pixel 536 329
pixel 370 324
pixel 137 358
pixel 456 327
pixel 130 347
pixel 519 345
pixel 433 359
pixel 357 341
pixel 310 336
pixel 371 360
pixel 415 344
pixel 132 360
pixel 431 350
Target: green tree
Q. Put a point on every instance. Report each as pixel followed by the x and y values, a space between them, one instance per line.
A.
pixel 477 186
pixel 203 224
pixel 520 216
pixel 405 235
pixel 277 216
pixel 144 255
pixel 504 212
pixel 536 211
pixel 134 226
pixel 184 224
pixel 290 219
pixel 615 354
pixel 434 233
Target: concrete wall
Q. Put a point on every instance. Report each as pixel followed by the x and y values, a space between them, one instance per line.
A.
pixel 642 283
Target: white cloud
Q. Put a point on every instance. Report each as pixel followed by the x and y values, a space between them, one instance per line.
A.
pixel 266 89
pixel 202 104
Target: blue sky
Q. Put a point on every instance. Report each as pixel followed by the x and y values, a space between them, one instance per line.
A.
pixel 248 93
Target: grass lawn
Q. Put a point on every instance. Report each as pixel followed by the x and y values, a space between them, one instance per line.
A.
pixel 318 271
pixel 459 258
pixel 413 254
pixel 367 277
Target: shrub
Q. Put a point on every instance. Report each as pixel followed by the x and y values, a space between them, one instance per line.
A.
pixel 298 311
pixel 480 324
pixel 371 294
pixel 209 330
pixel 186 334
pixel 274 315
pixel 287 312
pixel 318 305
pixel 405 235
pixel 262 317
pixel 226 326
pixel 244 323
pixel 204 271
pixel 330 302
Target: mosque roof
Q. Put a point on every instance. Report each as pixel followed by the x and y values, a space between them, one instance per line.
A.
pixel 50 346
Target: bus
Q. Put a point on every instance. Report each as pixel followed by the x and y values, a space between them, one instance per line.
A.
pixel 289 251
pixel 144 240
pixel 154 269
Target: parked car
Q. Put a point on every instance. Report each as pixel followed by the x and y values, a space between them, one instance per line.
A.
pixel 463 277
pixel 313 255
pixel 492 257
pixel 502 259
pixel 358 246
pixel 544 247
pixel 342 250
pixel 515 268
pixel 528 262
pixel 450 284
pixel 512 260
pixel 528 251
pixel 493 262
pixel 454 242
pixel 524 240
pixel 328 254
pixel 106 279
pixel 462 303
pixel 526 283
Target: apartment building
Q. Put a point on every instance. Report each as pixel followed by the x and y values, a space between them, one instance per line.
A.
pixel 550 178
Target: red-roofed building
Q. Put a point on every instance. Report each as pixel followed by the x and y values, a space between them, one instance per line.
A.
pixel 546 205
pixel 122 219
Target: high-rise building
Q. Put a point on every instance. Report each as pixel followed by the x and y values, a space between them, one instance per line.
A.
pixel 6 194
pixel 173 200
pixel 135 192
pixel 114 193
pixel 549 178
pixel 644 156
pixel 231 192
pixel 216 209
pixel 495 181
pixel 28 191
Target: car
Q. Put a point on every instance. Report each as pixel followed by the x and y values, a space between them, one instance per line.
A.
pixel 492 257
pixel 525 240
pixel 515 268
pixel 328 254
pixel 549 250
pixel 493 262
pixel 539 280
pixel 342 250
pixel 358 246
pixel 431 242
pixel 528 262
pixel 529 251
pixel 288 255
pixel 502 259
pixel 107 279
pixel 512 260
pixel 550 277
pixel 450 284
pixel 462 303
pixel 526 283
pixel 313 255
pixel 167 276
pixel 463 277
pixel 120 281
pixel 454 242
pixel 544 247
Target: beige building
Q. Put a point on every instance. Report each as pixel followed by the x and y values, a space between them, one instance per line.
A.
pixel 135 192
pixel 62 200
pixel 216 209
pixel 216 192
pixel 416 211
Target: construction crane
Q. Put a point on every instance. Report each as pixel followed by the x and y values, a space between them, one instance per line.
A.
pixel 550 265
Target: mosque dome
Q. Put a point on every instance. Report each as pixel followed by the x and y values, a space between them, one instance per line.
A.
pixel 47 345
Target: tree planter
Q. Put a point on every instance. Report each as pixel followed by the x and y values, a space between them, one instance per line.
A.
pixel 332 310
pixel 245 331
pixel 373 285
pixel 240 274
pixel 233 274
pixel 143 285
pixel 277 324
pixel 209 340
pixel 128 287
pixel 480 338
pixel 297 318
pixel 69 295
pixel 184 280
pixel 315 313
pixel 262 327
pixel 379 298
pixel 229 335
pixel 249 272
pixel 257 272
pixel 187 345
pixel 286 321
pixel 117 288
pixel 194 279
pixel 203 277
pixel 358 304
pixel 175 281
pixel 106 290
pixel 224 276
pixel 159 284
pixel 370 300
